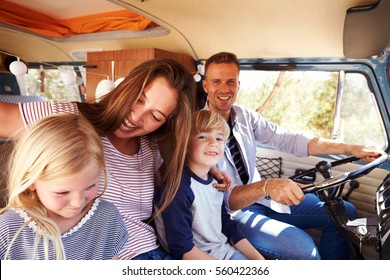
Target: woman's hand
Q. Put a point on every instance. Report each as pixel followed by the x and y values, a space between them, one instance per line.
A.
pixel 224 182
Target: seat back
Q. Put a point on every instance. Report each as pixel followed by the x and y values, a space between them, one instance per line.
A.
pixel 5 151
pixel 7 145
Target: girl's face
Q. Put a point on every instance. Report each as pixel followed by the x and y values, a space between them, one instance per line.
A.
pixel 150 111
pixel 205 149
pixel 68 198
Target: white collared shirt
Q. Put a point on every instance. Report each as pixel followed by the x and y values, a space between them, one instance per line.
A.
pixel 250 128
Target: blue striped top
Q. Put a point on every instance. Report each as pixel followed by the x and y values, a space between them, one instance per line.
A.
pixel 130 179
pixel 98 236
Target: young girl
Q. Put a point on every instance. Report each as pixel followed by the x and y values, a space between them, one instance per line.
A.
pixel 196 224
pixel 147 114
pixel 54 210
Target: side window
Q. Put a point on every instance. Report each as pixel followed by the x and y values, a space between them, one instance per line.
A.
pixel 63 83
pixel 360 121
pixel 327 104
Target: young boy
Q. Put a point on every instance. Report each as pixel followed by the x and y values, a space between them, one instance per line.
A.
pixel 196 224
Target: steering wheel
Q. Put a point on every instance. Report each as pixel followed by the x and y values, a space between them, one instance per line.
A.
pixel 324 168
pixel 329 190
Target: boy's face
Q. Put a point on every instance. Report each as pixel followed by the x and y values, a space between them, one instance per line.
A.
pixel 205 149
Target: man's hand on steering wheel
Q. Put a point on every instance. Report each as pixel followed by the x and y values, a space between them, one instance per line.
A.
pixel 285 191
pixel 330 181
pixel 366 153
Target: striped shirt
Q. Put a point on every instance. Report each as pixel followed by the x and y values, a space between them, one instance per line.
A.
pixel 130 182
pixel 103 242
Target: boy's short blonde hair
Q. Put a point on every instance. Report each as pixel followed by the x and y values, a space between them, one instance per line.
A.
pixel 205 120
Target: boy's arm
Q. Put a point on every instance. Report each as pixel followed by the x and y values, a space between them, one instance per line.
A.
pixel 248 250
pixel 229 227
pixel 177 219
pixel 237 238
pixel 196 254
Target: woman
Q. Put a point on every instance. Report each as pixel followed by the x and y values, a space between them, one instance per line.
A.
pixel 144 125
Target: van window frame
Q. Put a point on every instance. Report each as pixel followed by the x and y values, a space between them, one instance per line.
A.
pixel 374 69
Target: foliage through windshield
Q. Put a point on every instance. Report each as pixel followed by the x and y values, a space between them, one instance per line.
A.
pixel 306 101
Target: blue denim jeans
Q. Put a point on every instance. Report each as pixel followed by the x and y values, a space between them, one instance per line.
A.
pixel 156 254
pixel 282 236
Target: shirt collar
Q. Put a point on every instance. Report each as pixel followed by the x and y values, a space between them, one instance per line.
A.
pixel 233 114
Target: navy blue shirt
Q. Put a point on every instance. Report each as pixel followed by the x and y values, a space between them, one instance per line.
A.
pixel 197 217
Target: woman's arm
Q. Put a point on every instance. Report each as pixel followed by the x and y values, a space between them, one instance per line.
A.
pixel 224 181
pixel 10 120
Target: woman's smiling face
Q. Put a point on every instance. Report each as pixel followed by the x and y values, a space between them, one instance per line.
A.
pixel 151 110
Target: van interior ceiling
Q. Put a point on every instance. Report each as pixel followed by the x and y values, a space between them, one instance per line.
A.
pixel 168 25
pixel 320 65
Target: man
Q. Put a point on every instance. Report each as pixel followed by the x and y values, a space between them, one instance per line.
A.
pixel 273 227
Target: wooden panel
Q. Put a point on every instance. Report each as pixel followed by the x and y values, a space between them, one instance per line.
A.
pixel 185 60
pixel 99 64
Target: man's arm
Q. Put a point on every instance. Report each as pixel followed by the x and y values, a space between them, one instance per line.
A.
pixel 322 146
pixel 287 192
pixel 281 190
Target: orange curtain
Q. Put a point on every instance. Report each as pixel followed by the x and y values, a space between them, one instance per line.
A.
pixel 119 20
pixel 31 20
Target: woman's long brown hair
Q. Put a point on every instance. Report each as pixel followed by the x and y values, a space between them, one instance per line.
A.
pixel 172 137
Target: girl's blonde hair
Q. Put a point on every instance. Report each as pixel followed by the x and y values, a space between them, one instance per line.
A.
pixel 172 137
pixel 55 148
pixel 205 121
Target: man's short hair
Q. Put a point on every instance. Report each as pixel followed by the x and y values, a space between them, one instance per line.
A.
pixel 222 57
